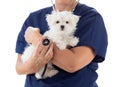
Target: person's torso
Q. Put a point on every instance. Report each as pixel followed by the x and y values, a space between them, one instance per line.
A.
pixel 85 77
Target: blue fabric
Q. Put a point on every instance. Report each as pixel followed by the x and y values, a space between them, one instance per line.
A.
pixel 91 32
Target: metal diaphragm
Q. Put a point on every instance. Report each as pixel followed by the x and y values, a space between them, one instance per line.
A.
pixel 46 42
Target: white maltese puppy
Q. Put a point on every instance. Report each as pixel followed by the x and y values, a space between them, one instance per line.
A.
pixel 62 26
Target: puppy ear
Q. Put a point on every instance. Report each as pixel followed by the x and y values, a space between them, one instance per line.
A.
pixel 48 18
pixel 53 12
pixel 76 18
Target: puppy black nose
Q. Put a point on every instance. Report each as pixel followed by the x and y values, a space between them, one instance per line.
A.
pixel 62 27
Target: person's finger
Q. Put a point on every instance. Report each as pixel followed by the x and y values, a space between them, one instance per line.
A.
pixel 44 50
pixel 39 47
pixel 50 50
pixel 45 47
pixel 49 53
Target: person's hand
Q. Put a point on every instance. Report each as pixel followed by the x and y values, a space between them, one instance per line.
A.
pixel 32 35
pixel 41 55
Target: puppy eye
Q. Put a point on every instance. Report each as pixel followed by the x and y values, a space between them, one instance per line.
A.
pixel 57 22
pixel 67 22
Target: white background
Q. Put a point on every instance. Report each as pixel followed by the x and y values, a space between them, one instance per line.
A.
pixel 14 12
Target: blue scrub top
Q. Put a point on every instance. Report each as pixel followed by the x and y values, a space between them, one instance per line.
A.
pixel 90 30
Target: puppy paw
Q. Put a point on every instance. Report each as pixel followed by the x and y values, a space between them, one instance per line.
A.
pixel 38 76
pixel 74 41
pixel 50 73
pixel 61 46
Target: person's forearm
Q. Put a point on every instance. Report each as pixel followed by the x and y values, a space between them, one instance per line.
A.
pixel 64 59
pixel 74 59
pixel 22 68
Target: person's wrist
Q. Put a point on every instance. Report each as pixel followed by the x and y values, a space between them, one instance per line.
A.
pixel 36 38
pixel 30 66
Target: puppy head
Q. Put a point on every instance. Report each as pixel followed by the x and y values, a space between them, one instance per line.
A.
pixel 64 22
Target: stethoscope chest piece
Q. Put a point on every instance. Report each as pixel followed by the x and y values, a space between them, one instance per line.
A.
pixel 46 42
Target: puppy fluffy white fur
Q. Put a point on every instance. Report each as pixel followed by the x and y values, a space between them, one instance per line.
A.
pixel 62 26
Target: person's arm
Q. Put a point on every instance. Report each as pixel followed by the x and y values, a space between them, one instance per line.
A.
pixel 40 56
pixel 23 68
pixel 72 60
